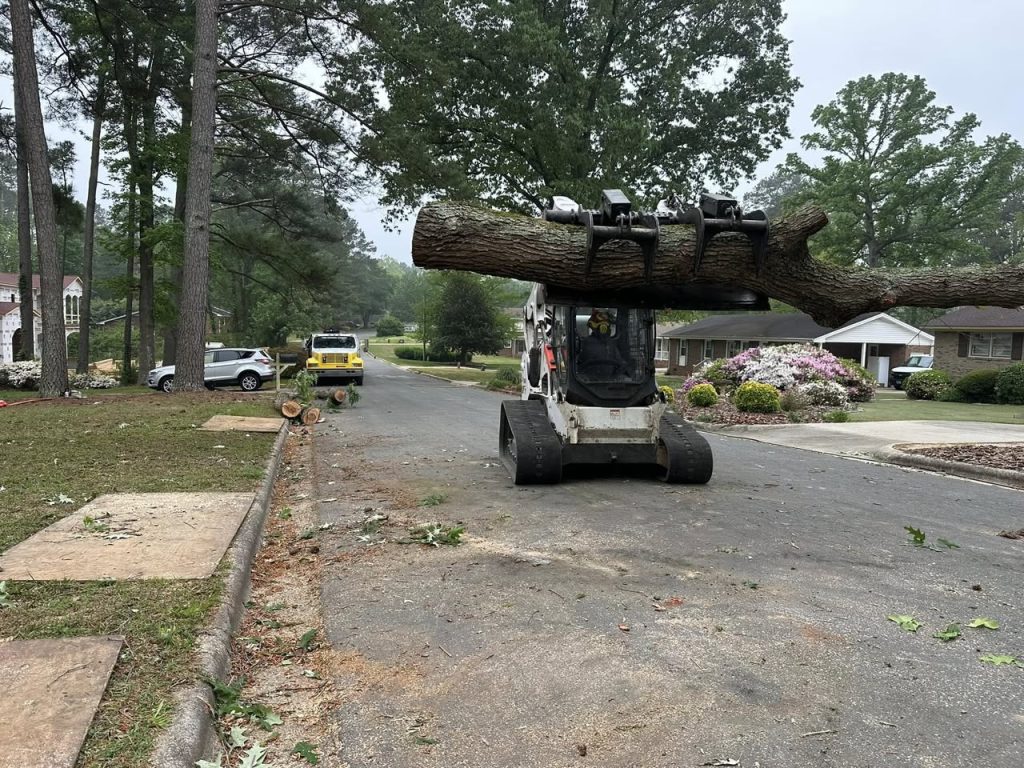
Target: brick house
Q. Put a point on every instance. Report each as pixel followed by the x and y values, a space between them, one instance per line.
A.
pixel 10 312
pixel 877 341
pixel 976 338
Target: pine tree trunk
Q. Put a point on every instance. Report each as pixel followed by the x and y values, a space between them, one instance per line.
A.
pixel 89 235
pixel 129 300
pixel 470 237
pixel 171 331
pixel 26 349
pixel 196 267
pixel 147 220
pixel 54 353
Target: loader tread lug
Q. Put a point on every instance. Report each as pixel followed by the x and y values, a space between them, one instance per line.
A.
pixel 684 456
pixel 527 443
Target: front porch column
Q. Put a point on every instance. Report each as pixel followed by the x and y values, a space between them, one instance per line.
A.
pixel 864 355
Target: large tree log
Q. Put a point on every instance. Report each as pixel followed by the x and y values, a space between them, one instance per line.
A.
pixel 468 237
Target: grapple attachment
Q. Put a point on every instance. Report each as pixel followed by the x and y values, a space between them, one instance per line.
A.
pixel 718 213
pixel 616 220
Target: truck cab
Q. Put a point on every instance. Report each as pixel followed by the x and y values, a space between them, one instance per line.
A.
pixel 334 355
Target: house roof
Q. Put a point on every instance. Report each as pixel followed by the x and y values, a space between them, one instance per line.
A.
pixel 776 326
pixel 969 318
pixel 11 279
pixel 796 326
pixel 7 307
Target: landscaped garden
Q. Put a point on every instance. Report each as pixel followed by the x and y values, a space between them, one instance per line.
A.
pixel 775 385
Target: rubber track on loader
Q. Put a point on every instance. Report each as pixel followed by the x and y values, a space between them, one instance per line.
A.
pixel 684 454
pixel 528 445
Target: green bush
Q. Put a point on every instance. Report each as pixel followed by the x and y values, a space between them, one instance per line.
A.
pixel 977 387
pixel 434 354
pixel 409 353
pixel 716 374
pixel 389 325
pixel 702 396
pixel 1010 384
pixel 669 393
pixel 506 377
pixel 927 385
pixel 753 397
pixel 836 416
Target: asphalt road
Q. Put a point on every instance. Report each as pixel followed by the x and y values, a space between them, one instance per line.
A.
pixel 618 621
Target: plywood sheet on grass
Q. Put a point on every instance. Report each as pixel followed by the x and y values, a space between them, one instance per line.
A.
pixel 132 536
pixel 222 423
pixel 51 689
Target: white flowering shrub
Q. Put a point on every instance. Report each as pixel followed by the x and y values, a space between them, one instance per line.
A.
pixel 830 393
pixel 92 381
pixel 21 375
pixel 26 375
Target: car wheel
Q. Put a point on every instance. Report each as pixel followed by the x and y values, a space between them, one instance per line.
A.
pixel 167 383
pixel 209 386
pixel 249 382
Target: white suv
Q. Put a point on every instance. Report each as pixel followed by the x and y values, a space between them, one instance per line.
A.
pixel 248 368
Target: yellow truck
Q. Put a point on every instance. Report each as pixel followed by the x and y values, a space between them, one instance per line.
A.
pixel 334 355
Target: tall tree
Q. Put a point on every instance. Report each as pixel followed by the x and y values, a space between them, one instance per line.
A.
pixel 904 184
pixel 192 309
pixel 27 308
pixel 468 317
pixel 55 359
pixel 511 102
pixel 89 236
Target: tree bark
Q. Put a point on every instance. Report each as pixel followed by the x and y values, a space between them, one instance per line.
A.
pixel 196 262
pixel 54 353
pixel 181 185
pixel 129 300
pixel 468 237
pixel 27 347
pixel 89 235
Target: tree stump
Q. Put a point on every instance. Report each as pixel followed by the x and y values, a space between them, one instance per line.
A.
pixel 290 409
pixel 310 415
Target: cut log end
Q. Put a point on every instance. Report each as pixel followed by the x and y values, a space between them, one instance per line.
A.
pixel 290 409
pixel 310 416
pixel 338 396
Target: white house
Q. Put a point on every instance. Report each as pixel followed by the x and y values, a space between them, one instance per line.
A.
pixel 10 312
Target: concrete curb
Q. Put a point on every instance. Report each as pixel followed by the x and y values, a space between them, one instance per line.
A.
pixel 190 736
pixel 893 455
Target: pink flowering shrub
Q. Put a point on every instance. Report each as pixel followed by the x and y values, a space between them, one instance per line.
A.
pixel 790 366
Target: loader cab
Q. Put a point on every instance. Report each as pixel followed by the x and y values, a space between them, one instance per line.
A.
pixel 604 356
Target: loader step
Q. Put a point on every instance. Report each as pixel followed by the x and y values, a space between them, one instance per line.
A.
pixel 684 456
pixel 527 443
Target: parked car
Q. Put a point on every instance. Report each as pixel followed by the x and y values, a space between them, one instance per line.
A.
pixel 248 368
pixel 916 363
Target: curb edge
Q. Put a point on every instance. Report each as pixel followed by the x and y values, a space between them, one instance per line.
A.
pixel 189 737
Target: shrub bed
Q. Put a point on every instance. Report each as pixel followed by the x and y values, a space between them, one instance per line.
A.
pixel 1010 385
pixel 755 397
pixel 927 385
pixel 977 387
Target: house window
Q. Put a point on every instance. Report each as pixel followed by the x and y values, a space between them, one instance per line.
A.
pixel 661 349
pixel 508 343
pixel 733 348
pixel 991 345
pixel 709 349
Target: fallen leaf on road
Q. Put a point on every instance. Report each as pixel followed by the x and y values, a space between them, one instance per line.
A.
pixel 624 627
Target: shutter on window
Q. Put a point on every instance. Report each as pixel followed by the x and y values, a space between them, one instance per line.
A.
pixel 963 344
pixel 1017 351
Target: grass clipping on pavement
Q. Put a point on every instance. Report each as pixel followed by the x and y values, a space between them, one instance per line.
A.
pixel 60 454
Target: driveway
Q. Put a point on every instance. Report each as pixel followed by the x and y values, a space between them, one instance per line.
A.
pixel 870 437
pixel 613 621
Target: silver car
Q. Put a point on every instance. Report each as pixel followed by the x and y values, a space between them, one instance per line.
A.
pixel 248 368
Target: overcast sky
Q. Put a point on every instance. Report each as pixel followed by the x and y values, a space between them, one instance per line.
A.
pixel 969 52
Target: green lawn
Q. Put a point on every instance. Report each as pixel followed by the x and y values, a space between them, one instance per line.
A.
pixel 896 407
pixel 106 443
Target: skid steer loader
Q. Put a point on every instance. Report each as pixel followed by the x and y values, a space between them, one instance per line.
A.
pixel 589 391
